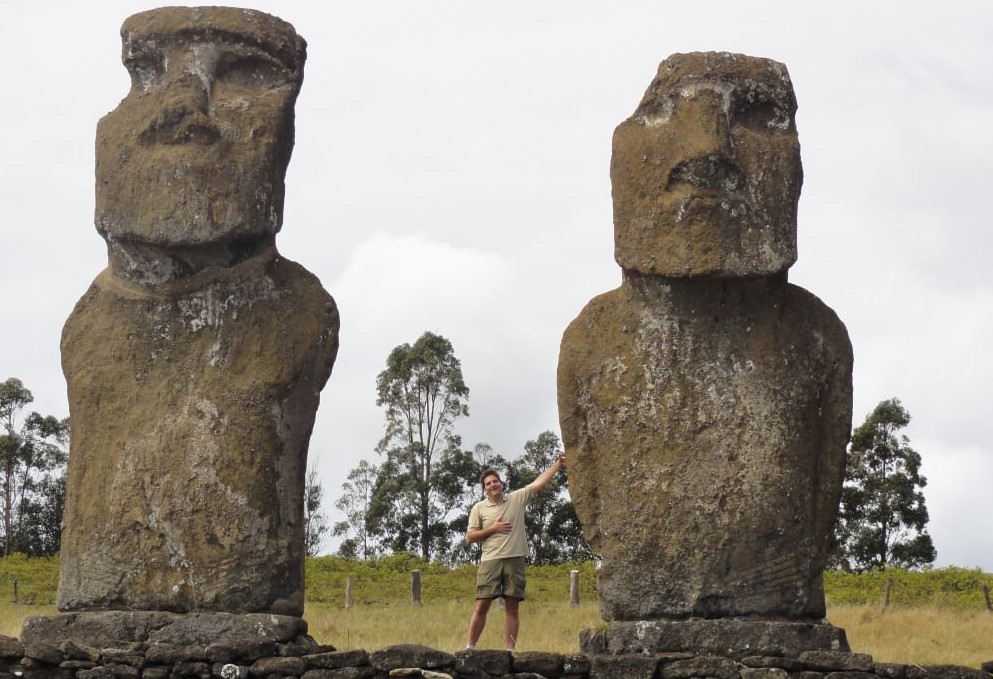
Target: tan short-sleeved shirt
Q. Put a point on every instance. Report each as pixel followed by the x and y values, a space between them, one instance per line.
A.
pixel 502 545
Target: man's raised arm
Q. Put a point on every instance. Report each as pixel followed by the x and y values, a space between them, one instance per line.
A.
pixel 546 476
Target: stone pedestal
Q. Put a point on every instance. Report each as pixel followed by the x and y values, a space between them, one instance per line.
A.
pixel 725 637
pixel 109 629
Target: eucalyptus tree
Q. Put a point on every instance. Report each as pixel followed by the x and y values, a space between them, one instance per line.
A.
pixel 315 522
pixel 424 394
pixel 33 454
pixel 882 520
pixel 355 503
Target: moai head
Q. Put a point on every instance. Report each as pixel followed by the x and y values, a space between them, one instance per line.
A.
pixel 706 173
pixel 191 164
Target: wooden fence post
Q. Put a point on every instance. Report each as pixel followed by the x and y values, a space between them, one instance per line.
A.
pixel 574 588
pixel 415 587
pixel 17 602
pixel 986 596
pixel 348 592
pixel 886 592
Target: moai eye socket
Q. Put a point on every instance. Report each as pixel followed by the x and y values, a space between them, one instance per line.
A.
pixel 760 111
pixel 250 71
pixel 145 65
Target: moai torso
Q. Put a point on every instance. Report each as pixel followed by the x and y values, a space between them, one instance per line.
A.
pixel 195 362
pixel 705 404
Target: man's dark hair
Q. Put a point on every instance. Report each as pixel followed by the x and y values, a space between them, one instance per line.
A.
pixel 489 471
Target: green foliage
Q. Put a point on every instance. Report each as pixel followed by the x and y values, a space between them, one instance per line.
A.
pixel 553 530
pixel 419 498
pixel 37 579
pixel 955 588
pixel 355 503
pixel 32 474
pixel 424 393
pixel 315 522
pixel 882 520
pixel 386 582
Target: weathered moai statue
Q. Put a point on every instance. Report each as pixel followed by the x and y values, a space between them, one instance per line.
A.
pixel 195 361
pixel 705 404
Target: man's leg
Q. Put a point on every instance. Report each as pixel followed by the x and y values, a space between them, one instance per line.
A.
pixel 514 586
pixel 512 623
pixel 478 621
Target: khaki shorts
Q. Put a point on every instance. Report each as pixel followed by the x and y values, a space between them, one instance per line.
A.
pixel 501 578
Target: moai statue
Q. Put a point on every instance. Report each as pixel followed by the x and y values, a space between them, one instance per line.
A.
pixel 705 404
pixel 195 361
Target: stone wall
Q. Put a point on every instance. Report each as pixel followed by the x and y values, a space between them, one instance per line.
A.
pixel 303 657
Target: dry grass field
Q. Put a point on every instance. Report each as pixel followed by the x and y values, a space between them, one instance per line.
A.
pixel 921 636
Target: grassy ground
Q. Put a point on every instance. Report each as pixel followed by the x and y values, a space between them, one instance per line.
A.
pixel 544 627
pixel 935 617
pixel 921 636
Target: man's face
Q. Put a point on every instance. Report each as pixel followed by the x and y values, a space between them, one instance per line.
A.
pixel 196 153
pixel 493 486
pixel 706 174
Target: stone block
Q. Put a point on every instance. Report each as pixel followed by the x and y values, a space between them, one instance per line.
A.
pixel 284 666
pixel 48 653
pixel 10 647
pixel 241 648
pixel 627 666
pixel 410 655
pixel 835 661
pixel 76 651
pixel 701 666
pixel 722 637
pixel 337 659
pixel 364 672
pixel 574 664
pixel 788 664
pixel 538 662
pixel 193 669
pixel 479 663
pixel 764 673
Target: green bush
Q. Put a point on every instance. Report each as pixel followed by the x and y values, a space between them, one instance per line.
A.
pixel 952 587
pixel 36 579
pixel 386 582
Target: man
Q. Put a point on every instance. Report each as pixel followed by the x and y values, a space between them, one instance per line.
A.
pixel 497 523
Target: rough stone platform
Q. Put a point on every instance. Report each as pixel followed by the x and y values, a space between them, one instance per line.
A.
pixel 724 637
pixel 140 660
pixel 108 628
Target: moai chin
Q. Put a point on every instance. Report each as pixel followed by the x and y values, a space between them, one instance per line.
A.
pixel 705 404
pixel 195 361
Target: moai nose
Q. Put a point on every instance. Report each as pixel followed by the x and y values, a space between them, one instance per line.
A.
pixel 706 156
pixel 184 114
pixel 707 110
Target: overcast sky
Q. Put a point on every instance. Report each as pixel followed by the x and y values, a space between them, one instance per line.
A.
pixel 451 174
